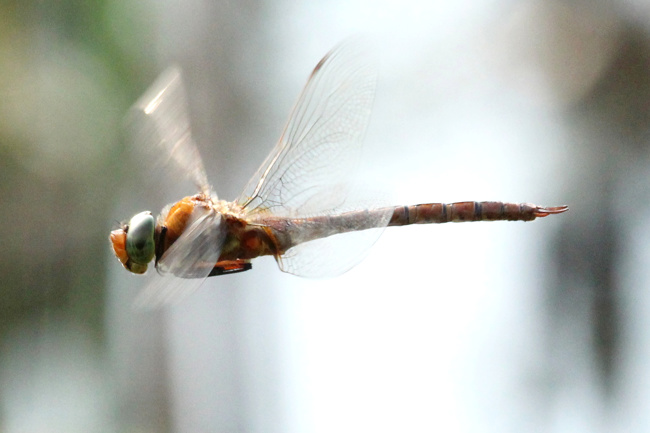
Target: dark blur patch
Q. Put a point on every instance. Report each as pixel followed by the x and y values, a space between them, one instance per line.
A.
pixel 610 125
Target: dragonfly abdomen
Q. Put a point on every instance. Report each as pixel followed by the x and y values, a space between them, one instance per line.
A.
pixel 436 213
pixel 289 232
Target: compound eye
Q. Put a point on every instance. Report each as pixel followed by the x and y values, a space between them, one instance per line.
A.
pixel 140 245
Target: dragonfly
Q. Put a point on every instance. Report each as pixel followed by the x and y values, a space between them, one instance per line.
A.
pixel 297 205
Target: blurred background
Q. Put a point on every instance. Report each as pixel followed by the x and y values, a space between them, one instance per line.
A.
pixel 493 327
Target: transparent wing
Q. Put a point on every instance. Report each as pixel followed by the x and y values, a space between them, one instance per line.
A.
pixel 329 257
pixel 334 255
pixel 187 263
pixel 159 127
pixel 308 171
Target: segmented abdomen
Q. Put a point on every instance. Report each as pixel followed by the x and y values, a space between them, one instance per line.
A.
pixel 432 213
pixel 289 232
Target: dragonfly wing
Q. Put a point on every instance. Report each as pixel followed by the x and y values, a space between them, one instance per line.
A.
pixel 187 263
pixel 308 171
pixel 334 255
pixel 159 126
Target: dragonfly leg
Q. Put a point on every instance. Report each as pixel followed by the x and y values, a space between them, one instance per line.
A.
pixel 230 267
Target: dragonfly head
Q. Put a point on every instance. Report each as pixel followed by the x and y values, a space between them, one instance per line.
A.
pixel 134 244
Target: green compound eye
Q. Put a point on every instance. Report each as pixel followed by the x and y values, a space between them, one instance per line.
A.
pixel 140 245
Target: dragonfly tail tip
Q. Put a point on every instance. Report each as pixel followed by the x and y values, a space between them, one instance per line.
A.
pixel 545 211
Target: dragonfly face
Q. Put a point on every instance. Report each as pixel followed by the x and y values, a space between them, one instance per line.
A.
pixel 142 239
pixel 134 243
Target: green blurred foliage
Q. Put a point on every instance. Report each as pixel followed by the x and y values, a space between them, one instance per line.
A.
pixel 69 71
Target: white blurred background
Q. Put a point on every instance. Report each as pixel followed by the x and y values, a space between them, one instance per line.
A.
pixel 491 327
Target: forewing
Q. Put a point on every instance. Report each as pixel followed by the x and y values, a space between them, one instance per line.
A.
pixel 187 263
pixel 308 171
pixel 159 127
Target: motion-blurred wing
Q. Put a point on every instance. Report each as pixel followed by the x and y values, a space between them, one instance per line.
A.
pixel 187 263
pixel 308 171
pixel 159 127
